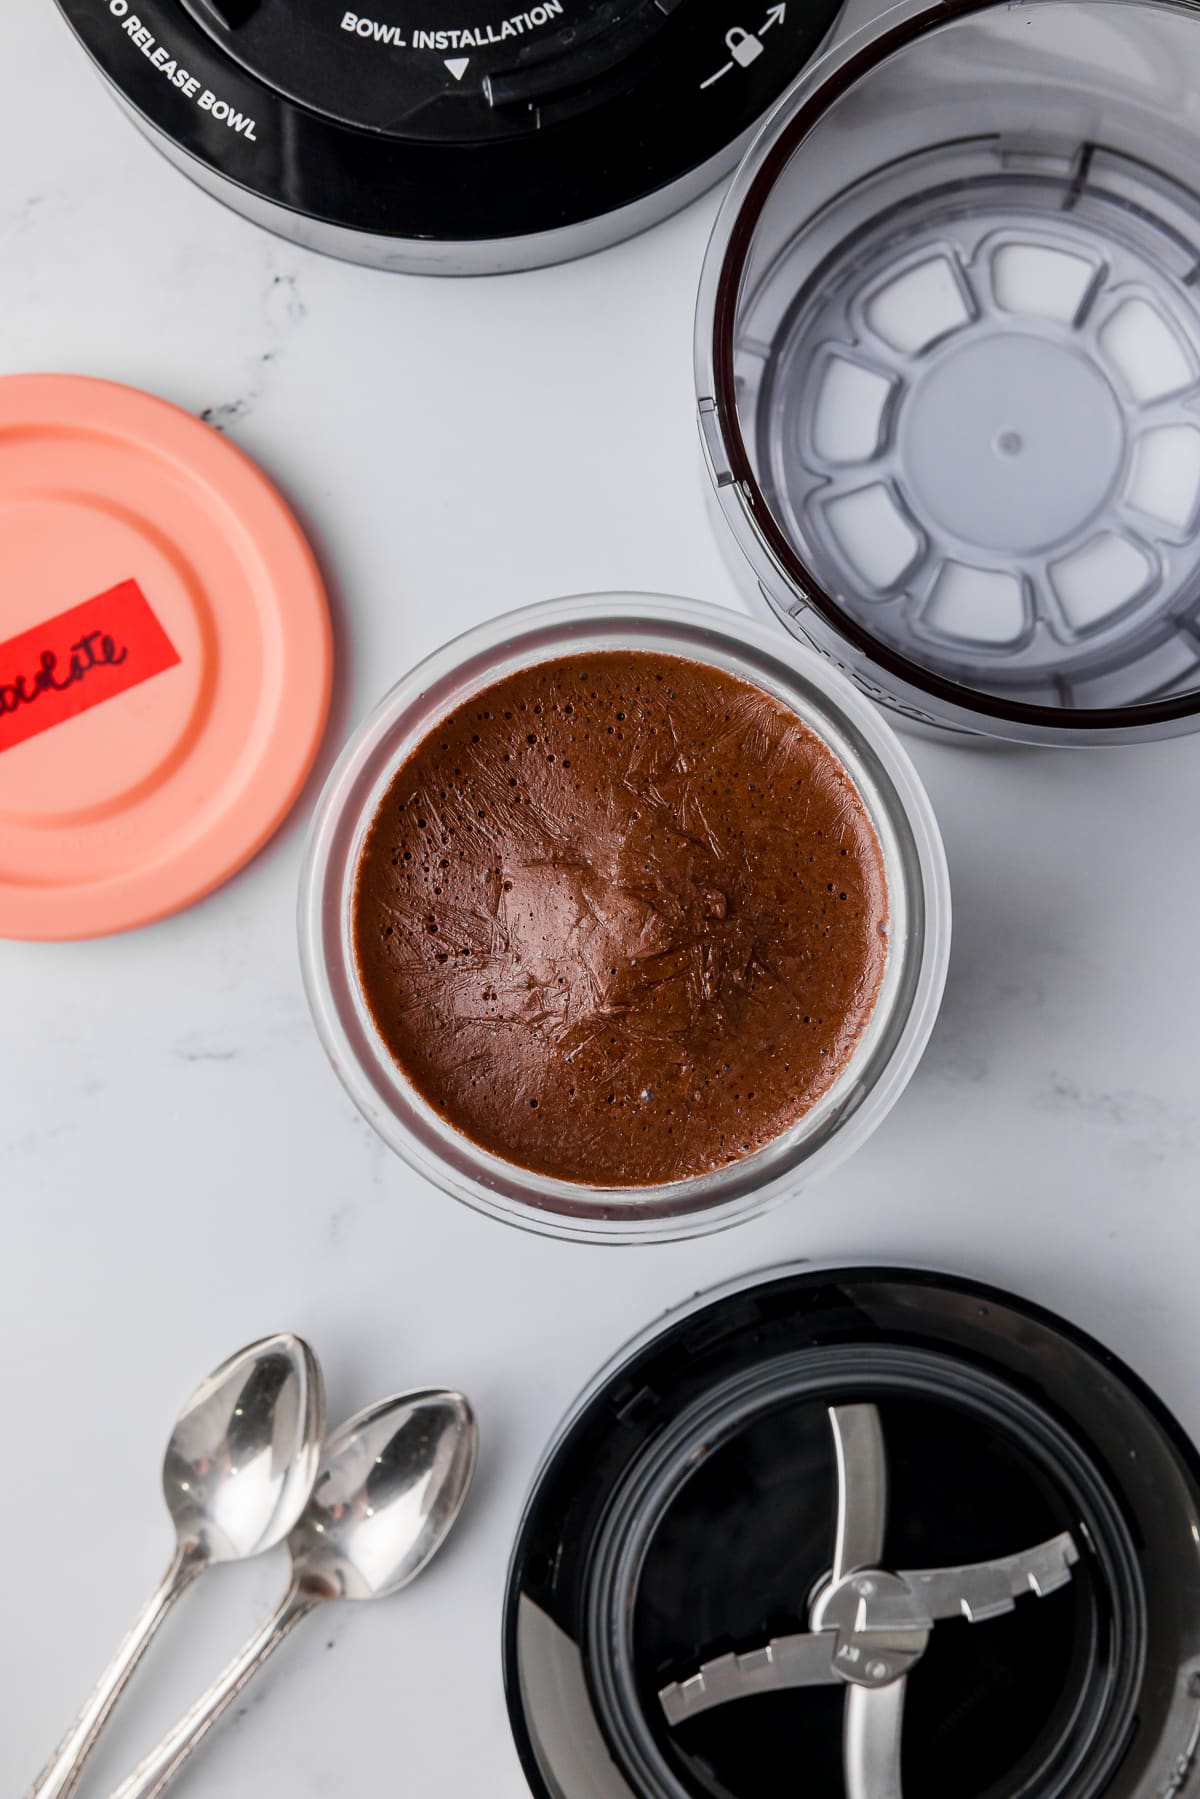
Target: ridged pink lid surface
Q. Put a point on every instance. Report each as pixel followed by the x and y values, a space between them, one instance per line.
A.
pixel 165 658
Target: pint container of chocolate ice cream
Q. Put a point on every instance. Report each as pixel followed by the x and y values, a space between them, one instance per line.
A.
pixel 624 917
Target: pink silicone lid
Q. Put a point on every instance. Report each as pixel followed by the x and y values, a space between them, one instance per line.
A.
pixel 165 658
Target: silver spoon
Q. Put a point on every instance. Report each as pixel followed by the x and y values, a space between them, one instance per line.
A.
pixel 391 1484
pixel 238 1470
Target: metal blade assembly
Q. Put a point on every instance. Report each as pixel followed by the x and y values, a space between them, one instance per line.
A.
pixel 867 1626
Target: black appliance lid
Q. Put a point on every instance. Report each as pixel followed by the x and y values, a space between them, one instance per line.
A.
pixel 866 1527
pixel 497 121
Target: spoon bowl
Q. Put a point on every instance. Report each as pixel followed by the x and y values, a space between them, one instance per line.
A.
pixel 245 1450
pixel 392 1482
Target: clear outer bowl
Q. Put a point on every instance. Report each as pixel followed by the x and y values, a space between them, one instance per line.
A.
pixel 914 863
pixel 948 366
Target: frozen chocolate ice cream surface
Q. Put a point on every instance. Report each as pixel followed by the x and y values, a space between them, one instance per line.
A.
pixel 621 919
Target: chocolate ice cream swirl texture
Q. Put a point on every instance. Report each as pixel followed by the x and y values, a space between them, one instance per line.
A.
pixel 621 919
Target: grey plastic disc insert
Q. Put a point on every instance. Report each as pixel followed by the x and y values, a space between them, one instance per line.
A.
pixel 979 419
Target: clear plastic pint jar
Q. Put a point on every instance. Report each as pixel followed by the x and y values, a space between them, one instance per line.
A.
pixel 948 366
pixel 914 870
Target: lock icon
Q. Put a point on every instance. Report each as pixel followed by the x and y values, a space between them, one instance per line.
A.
pixel 743 46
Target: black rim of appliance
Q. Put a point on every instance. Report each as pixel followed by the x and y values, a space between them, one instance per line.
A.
pixel 584 136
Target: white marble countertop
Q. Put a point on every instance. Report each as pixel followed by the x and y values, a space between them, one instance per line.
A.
pixel 181 1170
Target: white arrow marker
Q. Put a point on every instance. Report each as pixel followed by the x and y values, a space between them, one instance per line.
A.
pixel 775 16
pixel 457 65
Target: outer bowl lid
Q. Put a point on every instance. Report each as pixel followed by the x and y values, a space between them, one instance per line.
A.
pixel 865 1526
pixel 165 658
pixel 503 122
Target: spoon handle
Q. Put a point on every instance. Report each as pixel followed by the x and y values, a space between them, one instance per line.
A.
pixel 61 1774
pixel 155 1774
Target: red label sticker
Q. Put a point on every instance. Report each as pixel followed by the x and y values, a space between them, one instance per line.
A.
pixel 78 660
